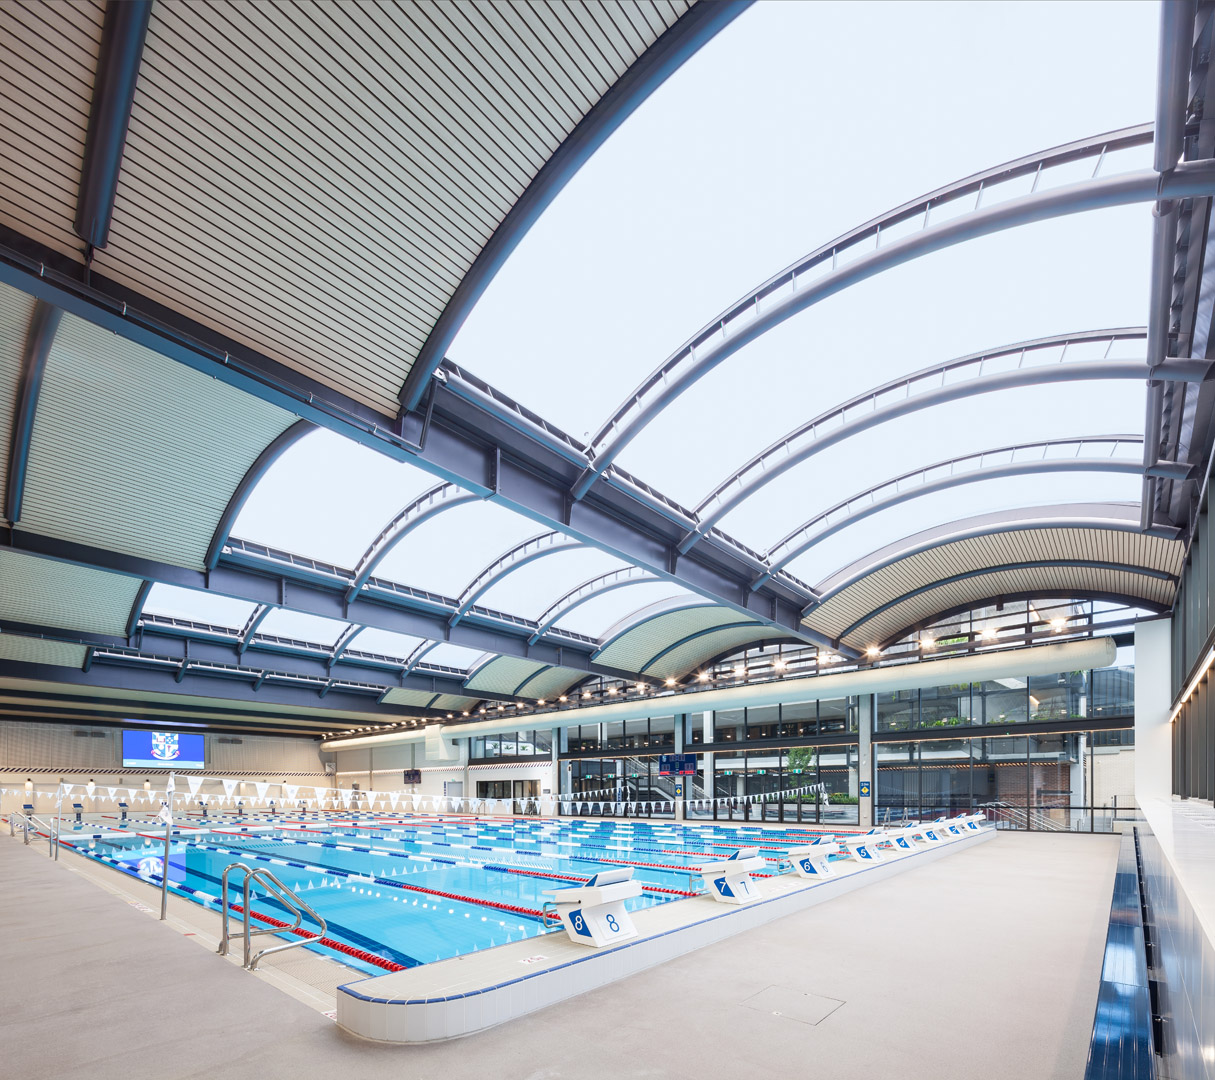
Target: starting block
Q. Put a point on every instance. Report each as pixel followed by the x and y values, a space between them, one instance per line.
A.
pixel 864 847
pixel 729 881
pixel 974 822
pixel 593 914
pixel 929 833
pixel 811 861
pixel 124 808
pixel 903 838
pixel 79 808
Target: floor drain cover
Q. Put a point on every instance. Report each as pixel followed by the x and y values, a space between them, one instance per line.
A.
pixel 793 1004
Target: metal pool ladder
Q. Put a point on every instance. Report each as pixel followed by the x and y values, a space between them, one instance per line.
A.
pixel 280 892
pixel 26 822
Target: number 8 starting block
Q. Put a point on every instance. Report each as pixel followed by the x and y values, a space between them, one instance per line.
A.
pixel 593 914
pixel 729 881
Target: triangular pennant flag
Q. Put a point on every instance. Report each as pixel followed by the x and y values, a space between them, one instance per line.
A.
pixel 229 787
pixel 171 784
pixel 261 790
pixel 290 790
pixel 111 790
pixel 393 796
pixel 195 783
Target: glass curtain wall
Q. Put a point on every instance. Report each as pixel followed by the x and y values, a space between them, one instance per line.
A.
pixel 1073 782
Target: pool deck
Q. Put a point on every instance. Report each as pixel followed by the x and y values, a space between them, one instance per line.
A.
pixel 466 994
pixel 982 964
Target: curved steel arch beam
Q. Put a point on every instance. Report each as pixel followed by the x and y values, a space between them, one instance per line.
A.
pixel 690 31
pixel 749 319
pixel 537 547
pixel 248 482
pixel 588 590
pixel 847 513
pixel 897 398
pixel 343 643
pixel 1035 564
pixel 256 617
pixel 141 598
pixel 693 637
pixel 1107 517
pixel 1043 594
pixel 435 500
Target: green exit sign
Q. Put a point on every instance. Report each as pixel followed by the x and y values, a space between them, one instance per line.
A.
pixel 728 772
pixel 761 772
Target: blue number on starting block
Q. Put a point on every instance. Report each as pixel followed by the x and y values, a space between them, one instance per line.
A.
pixel 613 925
pixel 580 926
pixel 722 887
pixel 808 866
pixel 863 852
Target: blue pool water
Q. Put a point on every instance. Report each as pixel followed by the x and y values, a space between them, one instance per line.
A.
pixel 412 890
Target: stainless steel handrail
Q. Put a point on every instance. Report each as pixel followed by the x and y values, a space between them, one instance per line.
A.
pixel 283 894
pixel 30 820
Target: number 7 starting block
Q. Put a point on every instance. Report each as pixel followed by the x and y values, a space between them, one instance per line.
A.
pixel 593 914
pixel 729 881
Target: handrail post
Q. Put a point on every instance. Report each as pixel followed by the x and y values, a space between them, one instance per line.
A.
pixel 245 917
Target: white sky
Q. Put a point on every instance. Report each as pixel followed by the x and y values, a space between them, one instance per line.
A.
pixel 798 122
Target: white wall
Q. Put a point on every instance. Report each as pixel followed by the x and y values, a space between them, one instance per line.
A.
pixel 1153 698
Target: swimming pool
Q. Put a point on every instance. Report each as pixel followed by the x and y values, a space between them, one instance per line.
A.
pixel 399 891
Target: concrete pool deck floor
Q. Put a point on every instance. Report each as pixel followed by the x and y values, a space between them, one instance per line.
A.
pixel 984 963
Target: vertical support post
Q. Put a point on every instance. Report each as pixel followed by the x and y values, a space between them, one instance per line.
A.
pixel 707 735
pixel 864 765
pixel 164 870
pixel 680 803
pixel 58 821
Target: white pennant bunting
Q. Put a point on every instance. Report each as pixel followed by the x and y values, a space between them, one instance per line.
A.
pixel 229 787
pixel 290 790
pixel 195 783
pixel 261 790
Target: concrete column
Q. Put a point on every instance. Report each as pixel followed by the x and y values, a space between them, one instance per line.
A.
pixel 558 737
pixel 865 714
pixel 1153 698
pixel 707 736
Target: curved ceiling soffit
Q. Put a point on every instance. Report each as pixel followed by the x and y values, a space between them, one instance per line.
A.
pixel 433 501
pixel 537 547
pixel 589 590
pixel 788 292
pixel 1146 572
pixel 645 614
pixel 1008 598
pixel 248 482
pixel 667 54
pixel 954 472
pixel 696 635
pixel 954 380
pixel 1099 517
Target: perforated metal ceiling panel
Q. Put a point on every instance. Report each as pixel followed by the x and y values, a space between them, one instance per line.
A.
pixel 902 576
pixel 413 699
pixel 134 452
pixel 43 592
pixel 692 654
pixel 48 54
pixel 638 645
pixel 1069 579
pixel 40 651
pixel 551 683
pixel 502 674
pixel 16 310
pixel 409 129
pixel 453 702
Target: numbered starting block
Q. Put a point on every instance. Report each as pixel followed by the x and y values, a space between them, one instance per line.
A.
pixel 903 838
pixel 79 808
pixel 729 881
pixel 973 822
pixel 811 861
pixel 864 847
pixel 930 832
pixel 124 808
pixel 593 914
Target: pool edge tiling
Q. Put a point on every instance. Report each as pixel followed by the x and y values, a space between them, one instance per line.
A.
pixel 466 994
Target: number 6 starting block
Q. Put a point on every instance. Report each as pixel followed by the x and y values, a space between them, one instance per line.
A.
pixel 593 914
pixel 729 881
pixel 811 861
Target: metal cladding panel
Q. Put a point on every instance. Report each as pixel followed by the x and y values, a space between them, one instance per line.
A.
pixel 635 647
pixel 32 650
pixel 688 657
pixel 44 592
pixel 316 180
pixel 134 452
pixel 414 699
pixel 16 310
pixel 917 609
pixel 48 57
pixel 551 683
pixel 842 609
pixel 453 702
pixel 503 674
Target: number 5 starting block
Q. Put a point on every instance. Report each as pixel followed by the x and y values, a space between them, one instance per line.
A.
pixel 593 914
pixel 729 881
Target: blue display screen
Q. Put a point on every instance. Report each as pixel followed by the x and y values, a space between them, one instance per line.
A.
pixel 162 750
